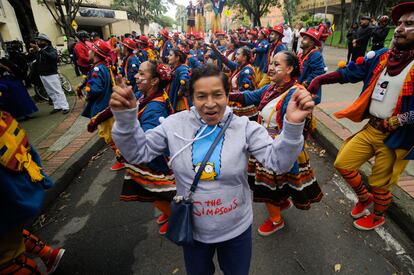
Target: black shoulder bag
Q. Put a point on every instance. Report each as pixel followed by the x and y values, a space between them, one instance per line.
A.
pixel 180 223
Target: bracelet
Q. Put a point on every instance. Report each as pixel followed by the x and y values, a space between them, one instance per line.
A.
pixel 394 122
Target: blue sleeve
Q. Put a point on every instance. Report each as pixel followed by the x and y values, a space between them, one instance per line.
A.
pixel 317 66
pixel 263 47
pixel 280 48
pixel 254 97
pixel 151 115
pixel 97 84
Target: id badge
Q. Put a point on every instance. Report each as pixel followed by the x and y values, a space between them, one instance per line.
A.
pixel 380 91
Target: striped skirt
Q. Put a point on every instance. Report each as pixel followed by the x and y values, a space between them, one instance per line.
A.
pixel 300 184
pixel 142 183
pixel 239 110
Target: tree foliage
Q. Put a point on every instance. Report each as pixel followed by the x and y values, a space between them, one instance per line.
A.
pixel 143 12
pixel 255 8
pixel 289 9
pixel 63 12
pixel 165 21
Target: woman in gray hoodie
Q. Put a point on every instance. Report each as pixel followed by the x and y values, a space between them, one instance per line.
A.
pixel 222 213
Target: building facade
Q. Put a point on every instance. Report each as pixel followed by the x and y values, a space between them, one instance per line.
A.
pixel 93 15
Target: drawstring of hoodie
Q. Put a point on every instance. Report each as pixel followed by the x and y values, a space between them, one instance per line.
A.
pixel 191 141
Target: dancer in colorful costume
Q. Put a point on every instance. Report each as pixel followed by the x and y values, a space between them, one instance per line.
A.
pixel 218 6
pixel 178 88
pixel 275 46
pixel 166 46
pixel 387 100
pixel 153 181
pixel 299 185
pixel 241 79
pixel 22 191
pixel 98 91
pixel 311 60
pixel 130 64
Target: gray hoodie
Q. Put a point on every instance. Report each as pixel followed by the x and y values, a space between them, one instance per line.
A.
pixel 222 200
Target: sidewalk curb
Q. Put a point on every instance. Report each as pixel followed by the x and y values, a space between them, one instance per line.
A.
pixel 65 174
pixel 402 206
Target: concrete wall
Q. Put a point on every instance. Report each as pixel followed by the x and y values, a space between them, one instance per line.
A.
pixel 9 27
pixel 126 26
pixel 45 22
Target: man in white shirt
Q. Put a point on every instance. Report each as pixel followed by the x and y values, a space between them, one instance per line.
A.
pixel 288 36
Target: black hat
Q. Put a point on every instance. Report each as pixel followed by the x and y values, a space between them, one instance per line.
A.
pixel 365 17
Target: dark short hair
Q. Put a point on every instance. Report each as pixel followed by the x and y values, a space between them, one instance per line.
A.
pixel 154 74
pixel 182 56
pixel 293 61
pixel 246 52
pixel 208 70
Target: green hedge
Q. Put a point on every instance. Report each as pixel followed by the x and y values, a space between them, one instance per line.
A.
pixel 333 40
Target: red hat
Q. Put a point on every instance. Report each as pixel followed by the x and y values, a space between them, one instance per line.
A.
pixel 198 36
pixel 220 33
pixel 102 48
pixel 401 9
pixel 278 29
pixel 129 43
pixel 175 34
pixel 265 32
pixel 143 40
pixel 164 33
pixel 253 32
pixel 314 34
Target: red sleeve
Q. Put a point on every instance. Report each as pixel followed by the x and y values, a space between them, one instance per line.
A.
pixel 82 55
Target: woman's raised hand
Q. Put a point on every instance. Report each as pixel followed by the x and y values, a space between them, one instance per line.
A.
pixel 122 97
pixel 300 106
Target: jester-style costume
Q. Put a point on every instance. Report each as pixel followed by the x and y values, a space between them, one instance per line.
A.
pixel 22 191
pixel 178 89
pixel 200 26
pixel 387 99
pixel 218 6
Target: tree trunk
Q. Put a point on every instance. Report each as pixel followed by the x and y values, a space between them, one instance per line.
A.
pixel 342 23
pixel 142 28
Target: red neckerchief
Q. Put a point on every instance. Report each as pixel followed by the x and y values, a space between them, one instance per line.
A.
pixel 303 57
pixel 274 91
pixel 398 60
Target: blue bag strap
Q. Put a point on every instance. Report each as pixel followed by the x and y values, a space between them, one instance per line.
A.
pixel 208 155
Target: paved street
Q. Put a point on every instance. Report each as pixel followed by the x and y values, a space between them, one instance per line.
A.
pixel 105 236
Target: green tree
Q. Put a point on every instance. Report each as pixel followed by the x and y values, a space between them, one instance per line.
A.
pixel 289 8
pixel 165 21
pixel 63 12
pixel 143 12
pixel 255 8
